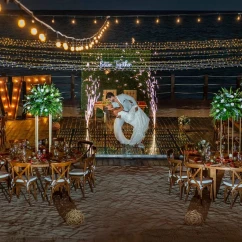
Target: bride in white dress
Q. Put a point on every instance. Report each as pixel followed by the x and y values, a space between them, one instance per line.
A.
pixel 135 117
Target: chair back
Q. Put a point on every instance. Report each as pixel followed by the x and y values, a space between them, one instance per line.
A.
pixel 236 178
pixel 194 173
pixel 132 93
pixel 60 172
pixel 20 171
pixel 175 166
pixel 114 91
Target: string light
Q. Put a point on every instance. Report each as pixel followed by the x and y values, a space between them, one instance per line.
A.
pixel 58 43
pixel 219 18
pixel 106 23
pixel 21 23
pixel 42 37
pixel 238 17
pixel 95 21
pixel 198 19
pixel 33 21
pixel 33 31
pixel 73 21
pixel 137 20
pixel 178 20
pixel 53 20
pixel 157 20
pixel 116 21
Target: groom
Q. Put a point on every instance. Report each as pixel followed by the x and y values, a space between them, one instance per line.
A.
pixel 126 101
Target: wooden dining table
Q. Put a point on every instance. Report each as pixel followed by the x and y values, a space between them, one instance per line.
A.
pixel 213 168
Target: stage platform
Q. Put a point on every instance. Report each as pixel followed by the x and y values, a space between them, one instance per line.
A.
pixel 158 140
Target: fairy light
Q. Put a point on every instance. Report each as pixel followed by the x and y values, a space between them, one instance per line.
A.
pixel 93 93
pixel 238 17
pixel 178 20
pixel 198 19
pixel 219 18
pixel 152 85
pixel 116 21
pixel 157 20
pixel 53 20
pixel 94 21
pixel 58 43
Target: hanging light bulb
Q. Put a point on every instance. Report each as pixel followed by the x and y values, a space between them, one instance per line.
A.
pixel 238 17
pixel 33 31
pixel 53 20
pixel 65 46
pixel 33 21
pixel 42 37
pixel 137 21
pixel 58 43
pixel 116 21
pixel 178 20
pixel 219 18
pixel 21 23
pixel 73 21
pixel 198 19
pixel 95 21
pixel 157 20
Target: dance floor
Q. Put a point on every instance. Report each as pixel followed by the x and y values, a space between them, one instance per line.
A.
pixel 158 140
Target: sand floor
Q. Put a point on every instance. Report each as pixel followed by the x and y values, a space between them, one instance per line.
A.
pixel 129 203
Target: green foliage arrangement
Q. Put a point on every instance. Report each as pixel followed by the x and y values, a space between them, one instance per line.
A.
pixel 227 104
pixel 43 100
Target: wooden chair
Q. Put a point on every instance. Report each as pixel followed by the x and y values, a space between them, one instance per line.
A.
pixel 176 173
pixel 233 186
pixel 21 177
pixel 195 179
pixel 114 91
pixel 59 179
pixel 132 93
pixel 82 150
pixel 5 180
pixel 79 176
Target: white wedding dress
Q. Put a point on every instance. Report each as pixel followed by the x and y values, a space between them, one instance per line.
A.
pixel 140 122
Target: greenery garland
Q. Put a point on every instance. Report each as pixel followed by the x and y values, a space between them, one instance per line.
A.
pixel 43 100
pixel 227 104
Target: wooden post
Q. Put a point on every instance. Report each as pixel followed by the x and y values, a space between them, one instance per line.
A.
pixel 238 82
pixel 72 87
pixel 205 88
pixel 172 86
pixel 36 133
pixel 50 132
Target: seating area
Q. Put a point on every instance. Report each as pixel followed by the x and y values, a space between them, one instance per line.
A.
pixel 25 173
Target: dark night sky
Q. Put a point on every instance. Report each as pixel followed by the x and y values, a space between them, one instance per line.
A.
pixel 179 5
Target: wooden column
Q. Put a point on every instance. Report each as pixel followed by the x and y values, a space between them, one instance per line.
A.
pixel 172 86
pixel 205 88
pixel 72 87
pixel 238 82
pixel 36 133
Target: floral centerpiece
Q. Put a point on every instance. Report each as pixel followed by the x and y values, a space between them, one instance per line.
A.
pixel 226 104
pixel 182 120
pixel 203 148
pixel 43 100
